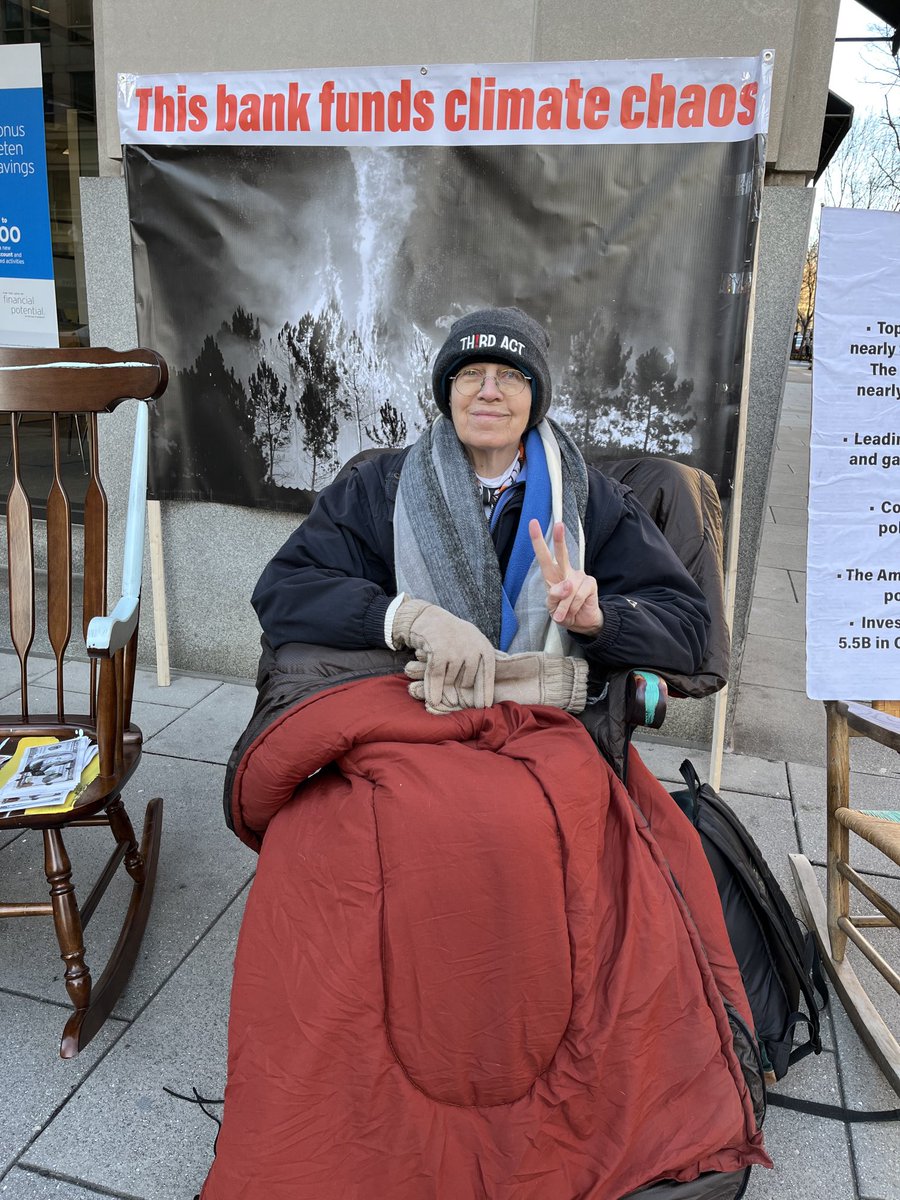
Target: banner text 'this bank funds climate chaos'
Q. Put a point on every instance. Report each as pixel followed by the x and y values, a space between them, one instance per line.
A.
pixel 682 100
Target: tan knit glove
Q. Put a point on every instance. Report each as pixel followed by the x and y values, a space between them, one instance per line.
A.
pixel 456 659
pixel 532 678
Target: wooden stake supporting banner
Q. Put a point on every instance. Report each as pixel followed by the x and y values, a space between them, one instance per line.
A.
pixel 718 738
pixel 158 583
pixel 734 533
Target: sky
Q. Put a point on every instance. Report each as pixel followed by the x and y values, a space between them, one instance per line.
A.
pixel 852 77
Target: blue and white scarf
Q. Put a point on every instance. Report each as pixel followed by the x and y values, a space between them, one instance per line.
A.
pixel 443 550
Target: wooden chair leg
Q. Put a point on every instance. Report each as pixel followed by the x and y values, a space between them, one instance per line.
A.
pixel 66 918
pixel 123 832
pixel 84 1023
pixel 838 796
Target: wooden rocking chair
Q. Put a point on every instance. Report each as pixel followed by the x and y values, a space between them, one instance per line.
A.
pixel 832 922
pixel 61 383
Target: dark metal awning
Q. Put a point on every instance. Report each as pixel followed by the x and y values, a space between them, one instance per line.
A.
pixel 889 12
pixel 838 118
pixel 838 113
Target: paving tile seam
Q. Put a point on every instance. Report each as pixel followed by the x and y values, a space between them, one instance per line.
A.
pixel 774 637
pixel 857 771
pixel 245 680
pixel 182 708
pixel 123 1032
pixel 815 862
pixel 845 1102
pixel 770 687
pixel 96 1188
pixel 237 680
pixel 145 753
pixel 790 1085
pixel 208 762
pixel 196 942
pixel 798 834
pixel 163 728
pixel 60 1004
pixel 734 791
pixel 149 703
pixel 64 1101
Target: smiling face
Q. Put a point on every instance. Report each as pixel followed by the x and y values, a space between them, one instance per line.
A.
pixel 489 424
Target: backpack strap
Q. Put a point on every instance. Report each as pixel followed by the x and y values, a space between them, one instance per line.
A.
pixel 831 1112
pixel 813 1045
pixel 691 779
pixel 689 801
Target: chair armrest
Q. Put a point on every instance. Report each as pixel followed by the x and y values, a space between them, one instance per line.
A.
pixel 106 635
pixel 646 695
pixel 872 723
pixel 631 698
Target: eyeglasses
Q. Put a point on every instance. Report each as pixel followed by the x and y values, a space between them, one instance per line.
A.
pixel 470 380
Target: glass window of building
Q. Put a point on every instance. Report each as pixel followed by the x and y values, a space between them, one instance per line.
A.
pixel 64 30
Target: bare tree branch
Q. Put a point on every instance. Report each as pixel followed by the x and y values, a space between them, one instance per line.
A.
pixel 864 170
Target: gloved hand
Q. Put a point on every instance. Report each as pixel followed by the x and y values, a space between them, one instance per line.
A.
pixel 532 678
pixel 456 659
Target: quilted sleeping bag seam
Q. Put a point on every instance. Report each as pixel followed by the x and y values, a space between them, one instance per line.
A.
pixel 385 976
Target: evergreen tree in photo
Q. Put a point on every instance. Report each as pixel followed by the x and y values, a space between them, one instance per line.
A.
pixel 364 374
pixel 596 370
pixel 358 368
pixel 311 347
pixel 268 396
pixel 657 404
pixel 391 428
pixel 420 374
pixel 215 452
pixel 245 325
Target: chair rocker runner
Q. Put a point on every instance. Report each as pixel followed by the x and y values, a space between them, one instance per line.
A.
pixel 832 921
pixel 61 383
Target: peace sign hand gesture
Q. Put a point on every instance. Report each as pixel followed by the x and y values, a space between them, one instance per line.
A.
pixel 571 595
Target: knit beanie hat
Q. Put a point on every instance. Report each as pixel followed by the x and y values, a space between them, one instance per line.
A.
pixel 506 335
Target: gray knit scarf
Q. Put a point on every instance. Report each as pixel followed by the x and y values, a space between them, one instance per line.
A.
pixel 442 545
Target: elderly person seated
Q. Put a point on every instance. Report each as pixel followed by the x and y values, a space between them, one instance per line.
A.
pixel 463 973
pixel 488 538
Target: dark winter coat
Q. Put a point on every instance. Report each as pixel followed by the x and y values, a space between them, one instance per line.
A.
pixel 332 581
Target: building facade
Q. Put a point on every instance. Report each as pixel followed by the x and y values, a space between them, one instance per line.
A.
pixel 214 553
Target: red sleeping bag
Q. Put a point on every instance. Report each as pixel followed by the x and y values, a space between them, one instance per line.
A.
pixel 466 971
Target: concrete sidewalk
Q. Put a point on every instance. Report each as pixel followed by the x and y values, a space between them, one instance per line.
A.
pixel 103 1125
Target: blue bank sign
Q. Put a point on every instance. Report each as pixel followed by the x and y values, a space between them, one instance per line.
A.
pixel 27 295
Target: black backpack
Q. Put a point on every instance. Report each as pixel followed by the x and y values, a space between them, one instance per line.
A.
pixel 778 958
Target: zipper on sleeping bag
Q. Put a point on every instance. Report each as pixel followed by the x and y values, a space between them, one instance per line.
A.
pixel 747 1047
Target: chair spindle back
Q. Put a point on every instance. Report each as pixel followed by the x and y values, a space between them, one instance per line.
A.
pixel 60 383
